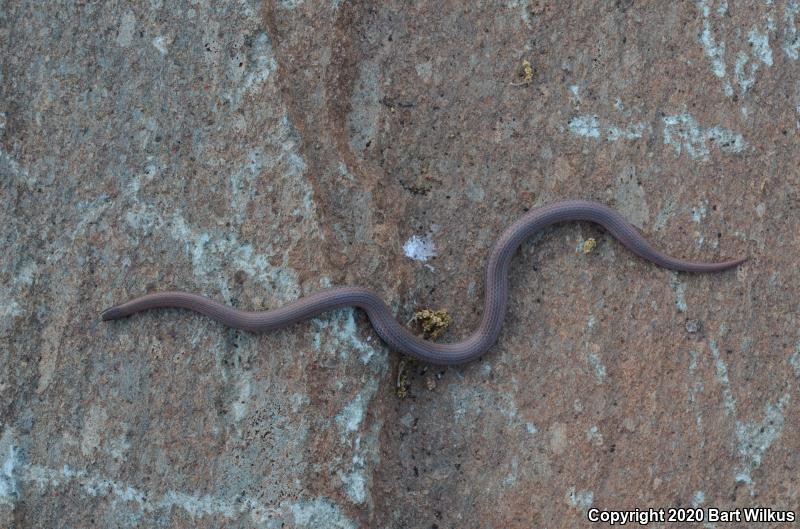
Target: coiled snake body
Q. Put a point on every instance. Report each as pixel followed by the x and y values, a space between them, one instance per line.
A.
pixel 395 335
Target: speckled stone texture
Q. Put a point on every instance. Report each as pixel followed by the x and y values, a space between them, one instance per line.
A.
pixel 258 152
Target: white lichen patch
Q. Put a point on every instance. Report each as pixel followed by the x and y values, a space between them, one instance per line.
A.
pixel 350 417
pixel 475 192
pixel 251 9
pixel 338 334
pixel 791 39
pixel 196 506
pixel 664 214
pixel 241 180
pixel 127 26
pixel 242 401
pixel 290 4
pixel 631 132
pixel 693 357
pixel 424 70
pixel 746 69
pixel 355 483
pixel 755 438
pixel 590 126
pixel 214 249
pixel 586 126
pixel 759 40
pixel 250 70
pixel 320 513
pixel 794 360
pixel 594 436
pixel 797 106
pixel 721 371
pixel 10 167
pixel 753 44
pixel 695 388
pixel 279 155
pixel 209 255
pixel 597 365
pixel 420 247
pixel 355 486
pixel 9 309
pixel 683 133
pixel 117 447
pixel 698 214
pixel 161 43
pixel 580 499
pixel 262 63
pixel 745 77
pixel 713 50
pixel 513 474
pixel 305 513
pixel 679 288
pixel 9 455
pixel 698 499
pixel 521 6
pixel 357 477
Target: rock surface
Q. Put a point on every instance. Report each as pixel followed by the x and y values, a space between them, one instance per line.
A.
pixel 258 152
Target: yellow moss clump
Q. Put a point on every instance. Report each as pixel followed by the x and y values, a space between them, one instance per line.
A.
pixel 433 322
pixel 589 245
pixel 402 380
pixel 526 73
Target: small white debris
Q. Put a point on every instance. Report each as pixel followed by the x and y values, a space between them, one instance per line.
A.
pixel 161 43
pixel 420 248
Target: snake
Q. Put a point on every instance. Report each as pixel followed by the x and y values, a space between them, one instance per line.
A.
pixel 398 337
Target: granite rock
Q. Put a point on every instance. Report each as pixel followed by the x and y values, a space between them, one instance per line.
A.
pixel 256 152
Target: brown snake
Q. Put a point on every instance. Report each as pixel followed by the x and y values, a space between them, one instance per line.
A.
pixel 395 335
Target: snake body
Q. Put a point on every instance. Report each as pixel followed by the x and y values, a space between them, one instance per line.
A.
pixel 395 335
